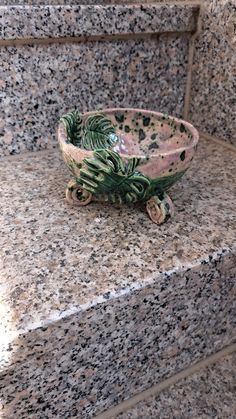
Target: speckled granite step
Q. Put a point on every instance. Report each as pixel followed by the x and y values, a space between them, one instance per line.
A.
pixel 55 58
pixel 98 304
pixel 59 21
pixel 207 394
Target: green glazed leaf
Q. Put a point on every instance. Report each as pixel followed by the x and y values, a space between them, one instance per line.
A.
pixel 94 132
pixel 106 176
pixel 98 132
pixel 73 124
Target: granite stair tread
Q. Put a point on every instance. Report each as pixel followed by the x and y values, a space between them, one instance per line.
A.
pixel 57 259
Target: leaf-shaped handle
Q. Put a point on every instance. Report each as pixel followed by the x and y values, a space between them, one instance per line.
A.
pixel 91 133
pixel 73 124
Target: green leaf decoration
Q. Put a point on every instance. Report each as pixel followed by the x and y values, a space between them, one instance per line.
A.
pixel 73 124
pixel 98 133
pixel 133 163
pixel 95 132
pixel 105 174
pixel 107 177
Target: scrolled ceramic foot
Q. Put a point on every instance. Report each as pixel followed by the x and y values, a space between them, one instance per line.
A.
pixel 160 209
pixel 76 195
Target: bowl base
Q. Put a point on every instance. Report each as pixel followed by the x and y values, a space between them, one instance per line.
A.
pixel 159 208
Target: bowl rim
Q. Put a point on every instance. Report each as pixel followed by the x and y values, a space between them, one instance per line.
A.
pixel 62 133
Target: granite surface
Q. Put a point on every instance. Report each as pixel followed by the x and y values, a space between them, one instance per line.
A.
pixel 95 20
pixel 213 99
pixel 99 304
pixel 74 2
pixel 42 82
pixel 208 394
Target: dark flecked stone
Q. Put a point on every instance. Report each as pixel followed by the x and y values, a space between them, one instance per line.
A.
pixel 213 105
pixel 53 21
pixel 207 394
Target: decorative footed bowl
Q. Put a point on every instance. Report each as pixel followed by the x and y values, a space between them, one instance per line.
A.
pixel 124 156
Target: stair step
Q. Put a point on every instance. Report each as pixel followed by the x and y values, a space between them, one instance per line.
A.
pixel 82 21
pixel 98 304
pixel 56 58
pixel 209 393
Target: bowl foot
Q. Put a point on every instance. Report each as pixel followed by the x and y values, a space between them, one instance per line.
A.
pixel 76 195
pixel 160 209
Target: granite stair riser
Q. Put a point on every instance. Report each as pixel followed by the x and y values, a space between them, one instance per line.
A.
pixel 61 77
pixel 79 2
pixel 213 105
pixel 207 394
pixel 66 21
pixel 41 82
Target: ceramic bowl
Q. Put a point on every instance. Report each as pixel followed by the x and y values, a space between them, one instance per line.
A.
pixel 126 155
